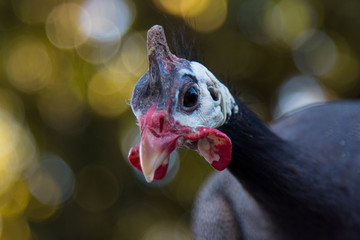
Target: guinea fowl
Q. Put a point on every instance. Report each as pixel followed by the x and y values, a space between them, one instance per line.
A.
pixel 298 178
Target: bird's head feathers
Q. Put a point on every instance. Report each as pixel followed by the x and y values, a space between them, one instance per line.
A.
pixel 178 102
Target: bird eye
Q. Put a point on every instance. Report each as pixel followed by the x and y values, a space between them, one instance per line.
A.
pixel 191 97
pixel 214 94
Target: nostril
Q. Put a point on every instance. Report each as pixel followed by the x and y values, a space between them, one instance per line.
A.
pixel 158 122
pixel 214 94
pixel 161 123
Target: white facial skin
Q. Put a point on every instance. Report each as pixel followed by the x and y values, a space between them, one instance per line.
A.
pixel 210 113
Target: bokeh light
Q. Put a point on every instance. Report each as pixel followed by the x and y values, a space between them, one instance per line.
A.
pixel 14 202
pixel 97 52
pixel 62 25
pixel 202 16
pixel 111 87
pixel 344 74
pixel 210 18
pixel 52 183
pixel 29 65
pixel 167 230
pixel 299 91
pixel 17 152
pixel 289 19
pixel 131 60
pixel 24 177
pixel 67 71
pixel 109 19
pixel 44 188
pixel 108 93
pixel 315 53
pixel 183 8
pixel 133 55
pixel 108 22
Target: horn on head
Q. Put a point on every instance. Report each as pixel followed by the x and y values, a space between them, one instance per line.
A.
pixel 160 58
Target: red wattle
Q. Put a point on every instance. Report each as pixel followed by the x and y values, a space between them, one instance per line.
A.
pixel 134 156
pixel 161 172
pixel 218 146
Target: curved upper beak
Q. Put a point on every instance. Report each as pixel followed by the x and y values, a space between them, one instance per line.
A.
pixel 158 141
pixel 155 152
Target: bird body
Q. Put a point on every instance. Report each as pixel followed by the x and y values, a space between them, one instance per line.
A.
pixel 298 178
pixel 315 198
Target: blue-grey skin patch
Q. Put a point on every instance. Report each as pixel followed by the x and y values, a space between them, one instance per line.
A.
pixel 160 87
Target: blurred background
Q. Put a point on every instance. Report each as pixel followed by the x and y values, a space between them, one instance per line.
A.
pixel 67 69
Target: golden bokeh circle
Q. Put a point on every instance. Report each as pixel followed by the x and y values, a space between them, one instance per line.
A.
pixel 62 26
pixel 29 65
pixel 108 93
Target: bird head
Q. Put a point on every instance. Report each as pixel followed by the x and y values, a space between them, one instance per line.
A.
pixel 178 103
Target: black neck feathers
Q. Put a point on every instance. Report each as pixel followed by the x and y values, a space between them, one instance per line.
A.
pixel 285 180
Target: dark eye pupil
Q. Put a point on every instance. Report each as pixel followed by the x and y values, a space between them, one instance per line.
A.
pixel 190 97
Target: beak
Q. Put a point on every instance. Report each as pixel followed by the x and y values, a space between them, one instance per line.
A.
pixel 154 153
pixel 158 141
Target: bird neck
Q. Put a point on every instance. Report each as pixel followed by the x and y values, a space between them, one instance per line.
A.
pixel 282 178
